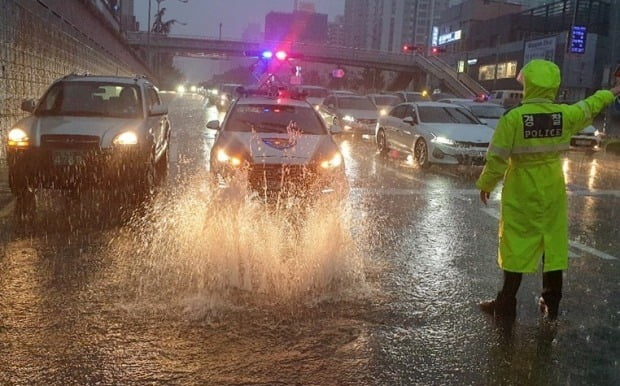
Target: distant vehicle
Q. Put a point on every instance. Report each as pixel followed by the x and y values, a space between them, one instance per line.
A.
pixel 588 138
pixel 107 132
pixel 410 96
pixel 506 98
pixel 314 94
pixel 226 95
pixel 487 113
pixel 281 143
pixel 354 114
pixel 341 92
pixel 434 132
pixel 384 102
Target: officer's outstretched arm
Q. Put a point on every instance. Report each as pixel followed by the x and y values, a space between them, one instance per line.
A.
pixel 498 154
pixel 583 112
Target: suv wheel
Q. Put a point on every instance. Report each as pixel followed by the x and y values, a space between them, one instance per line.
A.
pixel 25 205
pixel 162 168
pixel 382 142
pixel 144 186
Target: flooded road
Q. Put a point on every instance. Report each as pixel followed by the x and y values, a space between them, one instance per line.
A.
pixel 209 287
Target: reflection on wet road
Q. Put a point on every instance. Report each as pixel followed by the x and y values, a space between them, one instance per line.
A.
pixel 209 287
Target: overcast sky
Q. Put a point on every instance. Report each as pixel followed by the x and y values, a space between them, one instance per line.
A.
pixel 203 17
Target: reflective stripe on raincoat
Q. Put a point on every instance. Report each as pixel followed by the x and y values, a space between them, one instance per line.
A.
pixel 525 151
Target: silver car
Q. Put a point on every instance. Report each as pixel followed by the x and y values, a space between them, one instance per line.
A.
pixel 434 132
pixel 354 114
pixel 90 131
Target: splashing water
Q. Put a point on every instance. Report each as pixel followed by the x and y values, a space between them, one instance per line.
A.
pixel 212 243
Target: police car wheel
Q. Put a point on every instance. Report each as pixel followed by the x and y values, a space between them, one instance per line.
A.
pixel 420 153
pixel 382 142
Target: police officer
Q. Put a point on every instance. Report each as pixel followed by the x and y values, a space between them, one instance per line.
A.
pixel 525 152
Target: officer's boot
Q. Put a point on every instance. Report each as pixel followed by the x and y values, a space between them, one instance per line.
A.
pixel 502 307
pixel 505 304
pixel 551 295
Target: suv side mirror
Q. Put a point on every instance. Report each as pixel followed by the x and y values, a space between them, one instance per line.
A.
pixel 213 125
pixel 158 110
pixel 29 105
pixel 410 120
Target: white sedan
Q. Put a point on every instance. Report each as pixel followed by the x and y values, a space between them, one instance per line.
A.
pixel 434 132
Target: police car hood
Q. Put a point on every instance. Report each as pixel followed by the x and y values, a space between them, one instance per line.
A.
pixel 103 127
pixel 277 148
pixel 461 132
pixel 541 79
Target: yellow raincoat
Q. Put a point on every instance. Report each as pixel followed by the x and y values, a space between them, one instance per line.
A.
pixel 525 151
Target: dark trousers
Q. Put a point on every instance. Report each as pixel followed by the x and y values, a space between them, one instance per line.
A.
pixel 552 286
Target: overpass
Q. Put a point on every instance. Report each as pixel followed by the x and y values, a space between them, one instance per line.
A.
pixel 458 83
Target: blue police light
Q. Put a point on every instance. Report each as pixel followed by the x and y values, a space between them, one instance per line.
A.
pixel 267 54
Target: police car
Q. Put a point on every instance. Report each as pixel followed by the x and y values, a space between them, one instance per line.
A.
pixel 279 143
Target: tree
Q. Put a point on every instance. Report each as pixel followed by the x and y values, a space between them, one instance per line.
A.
pixel 163 27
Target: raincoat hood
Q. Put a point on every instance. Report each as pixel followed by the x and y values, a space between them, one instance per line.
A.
pixel 541 79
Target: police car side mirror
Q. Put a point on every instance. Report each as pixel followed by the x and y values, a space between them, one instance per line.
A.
pixel 213 125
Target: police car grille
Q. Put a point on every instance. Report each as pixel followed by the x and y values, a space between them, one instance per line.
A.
pixel 79 142
pixel 472 144
pixel 264 173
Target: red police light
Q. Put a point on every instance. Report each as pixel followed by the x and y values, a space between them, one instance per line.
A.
pixel 281 55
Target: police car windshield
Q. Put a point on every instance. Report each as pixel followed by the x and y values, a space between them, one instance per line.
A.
pixel 274 119
pixel 356 103
pixel 446 115
pixel 482 111
pixel 91 99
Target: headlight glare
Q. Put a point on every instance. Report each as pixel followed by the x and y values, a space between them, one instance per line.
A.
pixel 223 157
pixel 18 138
pixel 383 112
pixel 332 163
pixel 348 118
pixel 126 138
pixel 443 141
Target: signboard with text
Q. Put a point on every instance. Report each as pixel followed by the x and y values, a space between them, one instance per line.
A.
pixel 540 49
pixel 577 40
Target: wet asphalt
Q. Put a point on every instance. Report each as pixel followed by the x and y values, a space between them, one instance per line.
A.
pixel 212 288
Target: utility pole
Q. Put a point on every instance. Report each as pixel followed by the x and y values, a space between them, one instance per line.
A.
pixel 148 38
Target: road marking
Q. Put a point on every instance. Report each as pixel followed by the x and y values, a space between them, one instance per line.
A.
pixel 8 209
pixel 575 244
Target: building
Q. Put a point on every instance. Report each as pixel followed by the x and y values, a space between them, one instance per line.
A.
pixel 387 25
pixel 493 50
pixel 335 32
pixel 299 26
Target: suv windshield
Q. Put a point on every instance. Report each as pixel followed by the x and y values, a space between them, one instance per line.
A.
pixel 92 99
pixel 274 119
pixel 356 104
pixel 386 100
pixel 446 115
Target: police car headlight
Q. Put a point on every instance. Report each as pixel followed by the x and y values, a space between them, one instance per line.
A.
pixel 333 162
pixel 348 118
pixel 18 138
pixel 223 157
pixel 443 141
pixel 126 138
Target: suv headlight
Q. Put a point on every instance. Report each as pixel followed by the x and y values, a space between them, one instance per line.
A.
pixel 126 138
pixel 18 138
pixel 333 162
pixel 223 157
pixel 348 118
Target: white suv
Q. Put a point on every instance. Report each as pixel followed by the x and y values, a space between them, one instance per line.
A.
pixel 90 131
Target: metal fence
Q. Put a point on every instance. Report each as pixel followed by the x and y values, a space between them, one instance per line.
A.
pixel 37 46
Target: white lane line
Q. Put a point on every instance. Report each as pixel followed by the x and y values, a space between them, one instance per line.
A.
pixel 8 209
pixel 575 244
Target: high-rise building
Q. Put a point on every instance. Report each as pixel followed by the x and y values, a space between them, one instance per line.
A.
pixel 335 32
pixel 387 25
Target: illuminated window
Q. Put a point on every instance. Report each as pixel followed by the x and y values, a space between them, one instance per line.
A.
pixel 506 70
pixel 486 72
